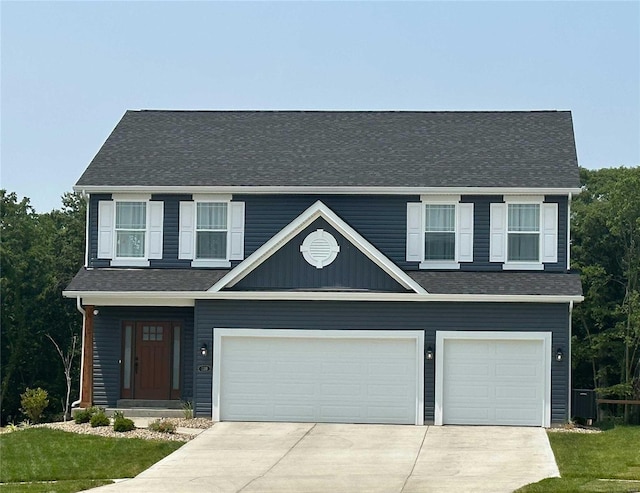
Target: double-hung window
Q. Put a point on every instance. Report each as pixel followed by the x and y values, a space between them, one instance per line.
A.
pixel 440 232
pixel 523 233
pixel 211 231
pixel 130 230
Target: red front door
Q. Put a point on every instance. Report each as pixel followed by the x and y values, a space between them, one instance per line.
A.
pixel 152 360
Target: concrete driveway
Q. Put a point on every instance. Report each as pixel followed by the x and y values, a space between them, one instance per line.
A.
pixel 307 457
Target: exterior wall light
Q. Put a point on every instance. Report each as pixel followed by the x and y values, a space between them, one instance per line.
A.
pixel 204 350
pixel 428 354
pixel 559 355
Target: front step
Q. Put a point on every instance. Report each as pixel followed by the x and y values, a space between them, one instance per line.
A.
pixel 149 403
pixel 146 412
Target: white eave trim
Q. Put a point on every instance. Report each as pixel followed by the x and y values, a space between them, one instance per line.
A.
pixel 165 298
pixel 314 190
pixel 315 211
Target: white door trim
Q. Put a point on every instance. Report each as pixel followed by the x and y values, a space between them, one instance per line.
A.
pixel 443 336
pixel 418 336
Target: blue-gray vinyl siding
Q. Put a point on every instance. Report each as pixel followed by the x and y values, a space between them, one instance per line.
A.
pixel 287 269
pixel 107 347
pixel 430 317
pixel 381 219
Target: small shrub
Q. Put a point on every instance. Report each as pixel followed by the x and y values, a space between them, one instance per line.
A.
pixel 122 424
pixel 162 426
pixel 187 409
pixel 118 414
pixel 99 419
pixel 34 402
pixel 84 415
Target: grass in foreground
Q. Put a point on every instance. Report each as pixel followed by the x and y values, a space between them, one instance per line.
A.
pixel 42 454
pixel 585 459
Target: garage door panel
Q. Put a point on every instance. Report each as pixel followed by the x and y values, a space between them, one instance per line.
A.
pixel 493 381
pixel 358 380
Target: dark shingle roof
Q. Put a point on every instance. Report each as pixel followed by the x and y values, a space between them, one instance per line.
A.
pixel 338 148
pixel 493 283
pixel 505 283
pixel 145 279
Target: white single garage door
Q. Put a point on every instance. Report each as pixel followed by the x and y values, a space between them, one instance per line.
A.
pixel 318 376
pixel 495 381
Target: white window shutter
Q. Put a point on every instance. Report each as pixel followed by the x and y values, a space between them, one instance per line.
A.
pixel 236 231
pixel 549 233
pixel 464 231
pixel 156 220
pixel 415 232
pixel 498 232
pixel 106 217
pixel 187 225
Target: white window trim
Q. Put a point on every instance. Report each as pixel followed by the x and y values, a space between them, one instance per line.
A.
pixel 515 264
pixel 443 336
pixel 219 263
pixel 442 200
pixel 117 261
pixel 416 335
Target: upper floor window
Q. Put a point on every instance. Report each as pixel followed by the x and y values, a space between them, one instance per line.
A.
pixel 130 230
pixel 523 233
pixel 440 232
pixel 211 231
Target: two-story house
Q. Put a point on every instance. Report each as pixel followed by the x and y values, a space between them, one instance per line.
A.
pixel 329 266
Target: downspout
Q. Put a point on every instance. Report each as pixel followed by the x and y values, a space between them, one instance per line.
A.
pixel 569 231
pixel 569 370
pixel 84 317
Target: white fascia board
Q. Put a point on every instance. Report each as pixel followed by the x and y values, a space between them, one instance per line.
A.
pixel 315 211
pixel 312 190
pixel 167 298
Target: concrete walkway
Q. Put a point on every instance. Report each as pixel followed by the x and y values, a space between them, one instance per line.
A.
pixel 303 457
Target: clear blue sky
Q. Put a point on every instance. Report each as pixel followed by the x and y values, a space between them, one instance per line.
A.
pixel 70 70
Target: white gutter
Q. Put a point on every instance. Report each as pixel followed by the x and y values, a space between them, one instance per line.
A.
pixel 131 297
pixel 314 190
pixel 84 318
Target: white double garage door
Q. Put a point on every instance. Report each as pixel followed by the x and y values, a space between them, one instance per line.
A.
pixel 345 376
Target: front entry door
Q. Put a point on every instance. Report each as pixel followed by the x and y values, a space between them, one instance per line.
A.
pixel 152 360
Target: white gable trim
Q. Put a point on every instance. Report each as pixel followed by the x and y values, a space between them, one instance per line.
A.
pixel 317 210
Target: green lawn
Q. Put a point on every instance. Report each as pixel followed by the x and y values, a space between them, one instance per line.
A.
pixel 585 460
pixel 75 462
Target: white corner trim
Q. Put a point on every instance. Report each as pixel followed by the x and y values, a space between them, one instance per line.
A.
pixel 443 336
pixel 415 335
pixel 315 211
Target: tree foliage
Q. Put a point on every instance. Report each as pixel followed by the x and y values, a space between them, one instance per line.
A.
pixel 39 255
pixel 606 250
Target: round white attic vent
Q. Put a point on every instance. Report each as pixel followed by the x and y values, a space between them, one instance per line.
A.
pixel 320 248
